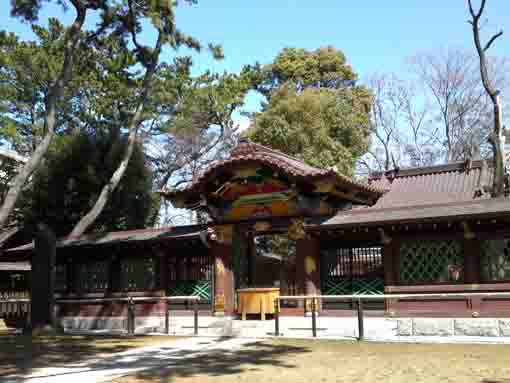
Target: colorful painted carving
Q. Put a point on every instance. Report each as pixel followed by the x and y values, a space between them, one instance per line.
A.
pixel 296 229
pixel 261 226
pixel 223 233
pixel 219 303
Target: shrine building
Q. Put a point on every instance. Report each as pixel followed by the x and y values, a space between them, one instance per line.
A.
pixel 405 231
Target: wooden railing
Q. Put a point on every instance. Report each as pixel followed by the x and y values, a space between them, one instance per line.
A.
pixel 5 295
pixel 132 301
pixel 357 300
pixel 15 309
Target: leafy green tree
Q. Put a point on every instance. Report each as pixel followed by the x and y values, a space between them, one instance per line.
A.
pixel 130 17
pixel 75 169
pixel 323 127
pixel 314 109
pixel 325 67
pixel 202 127
pixel 26 71
pixel 58 78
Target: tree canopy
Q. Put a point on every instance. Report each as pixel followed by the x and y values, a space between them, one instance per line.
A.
pixel 75 169
pixel 315 110
pixel 325 67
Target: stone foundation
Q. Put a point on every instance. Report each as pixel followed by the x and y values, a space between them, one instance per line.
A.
pixel 327 327
pixel 481 327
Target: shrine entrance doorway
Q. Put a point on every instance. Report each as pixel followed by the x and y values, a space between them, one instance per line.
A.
pixel 258 191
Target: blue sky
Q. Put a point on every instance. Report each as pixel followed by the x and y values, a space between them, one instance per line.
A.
pixel 375 35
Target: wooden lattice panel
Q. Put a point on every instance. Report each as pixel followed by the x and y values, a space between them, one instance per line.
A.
pixel 202 288
pixel 347 271
pixel 191 275
pixel 92 276
pixel 431 261
pixel 496 260
pixel 137 274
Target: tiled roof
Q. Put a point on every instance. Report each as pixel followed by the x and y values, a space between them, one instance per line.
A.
pixel 248 151
pixel 490 207
pixel 431 185
pixel 435 184
pixel 114 237
pixel 452 190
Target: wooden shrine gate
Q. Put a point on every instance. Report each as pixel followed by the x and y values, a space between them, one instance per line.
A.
pixel 352 270
pixel 191 275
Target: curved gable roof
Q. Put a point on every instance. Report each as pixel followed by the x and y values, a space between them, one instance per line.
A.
pixel 249 152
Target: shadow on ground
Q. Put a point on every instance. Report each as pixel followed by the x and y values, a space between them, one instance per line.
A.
pixel 21 355
pixel 254 356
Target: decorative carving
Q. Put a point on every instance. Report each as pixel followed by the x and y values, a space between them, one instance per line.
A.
pixel 385 238
pixel 468 233
pixel 262 226
pixel 455 272
pixel 222 234
pixel 219 302
pixel 296 229
pixel 310 265
pixel 220 266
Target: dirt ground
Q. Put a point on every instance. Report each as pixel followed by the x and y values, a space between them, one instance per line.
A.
pixel 22 354
pixel 310 361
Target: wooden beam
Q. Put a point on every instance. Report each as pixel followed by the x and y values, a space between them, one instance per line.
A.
pixel 385 239
pixel 468 233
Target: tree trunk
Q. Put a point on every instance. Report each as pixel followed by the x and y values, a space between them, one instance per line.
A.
pixel 49 120
pixel 17 184
pixel 497 145
pixel 498 182
pixel 87 220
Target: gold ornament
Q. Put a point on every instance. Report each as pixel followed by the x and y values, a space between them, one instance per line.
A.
pixel 296 229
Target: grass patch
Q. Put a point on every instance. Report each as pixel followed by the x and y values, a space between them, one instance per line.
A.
pixel 305 361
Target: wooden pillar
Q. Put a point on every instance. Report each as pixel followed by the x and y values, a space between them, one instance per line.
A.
pixel 395 243
pixel 43 279
pixel 472 267
pixel 308 266
pixel 252 256
pixel 472 270
pixel 224 294
pixel 162 268
pixel 388 262
pixel 390 254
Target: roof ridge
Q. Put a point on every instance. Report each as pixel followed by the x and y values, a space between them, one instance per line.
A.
pixel 425 170
pixel 144 230
pixel 274 151
pixel 372 209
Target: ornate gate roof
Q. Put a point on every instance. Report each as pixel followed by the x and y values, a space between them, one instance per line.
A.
pixel 253 174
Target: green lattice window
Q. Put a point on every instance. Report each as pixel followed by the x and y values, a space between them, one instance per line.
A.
pixel 496 260
pixel 92 276
pixel 203 289
pixel 191 275
pixel 433 261
pixel 137 274
pixel 357 270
